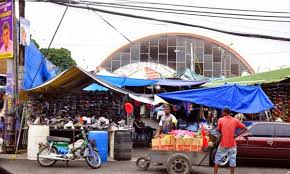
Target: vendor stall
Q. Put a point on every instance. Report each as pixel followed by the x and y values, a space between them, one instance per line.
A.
pixel 62 104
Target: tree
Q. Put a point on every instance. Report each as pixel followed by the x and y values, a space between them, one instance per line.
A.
pixel 36 44
pixel 60 57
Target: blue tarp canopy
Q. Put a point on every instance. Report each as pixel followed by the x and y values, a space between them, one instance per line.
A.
pixel 243 99
pixel 95 87
pixel 171 82
pixel 124 81
pixel 37 69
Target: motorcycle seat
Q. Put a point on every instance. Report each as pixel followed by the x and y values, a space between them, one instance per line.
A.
pixel 58 139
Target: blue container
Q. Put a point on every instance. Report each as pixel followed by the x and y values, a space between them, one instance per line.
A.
pixel 101 140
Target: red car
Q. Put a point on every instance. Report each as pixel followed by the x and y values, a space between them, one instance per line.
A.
pixel 263 140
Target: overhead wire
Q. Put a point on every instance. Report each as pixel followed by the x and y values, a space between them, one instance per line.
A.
pixel 191 14
pixel 111 25
pixel 183 10
pixel 202 7
pixel 41 63
pixel 179 23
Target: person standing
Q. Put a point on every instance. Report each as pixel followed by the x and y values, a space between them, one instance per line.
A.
pixel 167 121
pixel 227 126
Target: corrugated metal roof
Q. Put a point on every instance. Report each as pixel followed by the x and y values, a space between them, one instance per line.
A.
pixel 260 78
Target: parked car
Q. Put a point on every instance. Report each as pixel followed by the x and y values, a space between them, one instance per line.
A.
pixel 262 140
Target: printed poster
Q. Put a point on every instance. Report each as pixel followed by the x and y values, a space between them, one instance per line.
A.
pixel 6 30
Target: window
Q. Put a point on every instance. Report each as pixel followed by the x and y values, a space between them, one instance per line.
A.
pixel 216 55
pixel 171 54
pixel 207 48
pixel 199 68
pixel 144 47
pixel 262 130
pixel 235 69
pixel 163 46
pixel 282 131
pixel 163 59
pixel 153 53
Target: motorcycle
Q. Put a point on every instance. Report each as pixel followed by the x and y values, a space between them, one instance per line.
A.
pixel 59 149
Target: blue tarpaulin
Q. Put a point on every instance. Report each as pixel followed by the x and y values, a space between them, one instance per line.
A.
pixel 35 67
pixel 172 82
pixel 124 81
pixel 244 99
pixel 95 87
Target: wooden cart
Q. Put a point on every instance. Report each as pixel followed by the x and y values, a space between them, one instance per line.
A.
pixel 176 162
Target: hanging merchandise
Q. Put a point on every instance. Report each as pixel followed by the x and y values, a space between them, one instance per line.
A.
pixel 129 108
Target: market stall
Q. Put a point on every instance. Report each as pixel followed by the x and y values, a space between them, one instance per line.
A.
pixel 62 104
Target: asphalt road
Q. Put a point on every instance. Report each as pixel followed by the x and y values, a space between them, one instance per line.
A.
pixel 129 167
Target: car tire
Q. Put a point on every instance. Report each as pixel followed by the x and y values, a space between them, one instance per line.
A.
pixel 212 158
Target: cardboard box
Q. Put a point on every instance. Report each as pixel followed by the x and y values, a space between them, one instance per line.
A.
pixel 179 141
pixel 188 141
pixel 155 141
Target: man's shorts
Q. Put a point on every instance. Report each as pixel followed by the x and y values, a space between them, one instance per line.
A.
pixel 230 152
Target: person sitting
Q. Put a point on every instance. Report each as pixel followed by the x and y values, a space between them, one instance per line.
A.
pixel 141 129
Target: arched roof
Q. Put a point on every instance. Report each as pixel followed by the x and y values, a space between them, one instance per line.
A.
pixel 185 34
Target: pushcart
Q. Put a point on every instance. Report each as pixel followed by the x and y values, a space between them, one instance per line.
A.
pixel 176 162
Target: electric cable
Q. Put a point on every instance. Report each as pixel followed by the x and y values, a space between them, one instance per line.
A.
pixel 68 4
pixel 212 8
pixel 111 25
pixel 182 23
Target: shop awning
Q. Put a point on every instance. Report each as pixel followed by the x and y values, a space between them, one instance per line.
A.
pixel 125 81
pixel 171 82
pixel 73 79
pixel 259 78
pixel 244 99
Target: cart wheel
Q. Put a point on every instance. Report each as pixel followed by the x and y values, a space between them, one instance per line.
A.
pixel 178 163
pixel 143 163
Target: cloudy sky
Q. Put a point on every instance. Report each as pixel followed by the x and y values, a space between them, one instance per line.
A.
pixel 91 40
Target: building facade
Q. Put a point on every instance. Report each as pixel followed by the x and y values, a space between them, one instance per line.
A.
pixel 180 51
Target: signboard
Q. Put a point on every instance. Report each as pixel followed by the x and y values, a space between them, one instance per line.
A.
pixel 24 32
pixel 6 30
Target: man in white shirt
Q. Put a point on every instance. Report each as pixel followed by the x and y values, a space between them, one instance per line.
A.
pixel 167 121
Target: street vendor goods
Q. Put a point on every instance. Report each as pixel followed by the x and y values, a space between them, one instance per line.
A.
pixel 180 140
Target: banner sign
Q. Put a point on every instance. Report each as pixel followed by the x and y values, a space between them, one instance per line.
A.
pixel 24 32
pixel 6 30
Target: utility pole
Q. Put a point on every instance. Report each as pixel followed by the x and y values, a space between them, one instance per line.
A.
pixel 21 47
pixel 20 70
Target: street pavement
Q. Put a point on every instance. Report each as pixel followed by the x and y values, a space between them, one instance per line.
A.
pixel 127 167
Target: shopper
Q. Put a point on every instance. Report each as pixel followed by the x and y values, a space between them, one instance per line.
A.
pixel 227 126
pixel 167 121
pixel 141 128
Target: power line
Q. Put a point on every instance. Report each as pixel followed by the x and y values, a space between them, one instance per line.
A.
pixel 192 14
pixel 182 23
pixel 213 8
pixel 180 11
pixel 68 4
pixel 195 11
pixel 111 25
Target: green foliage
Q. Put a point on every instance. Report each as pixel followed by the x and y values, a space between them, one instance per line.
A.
pixel 36 44
pixel 60 57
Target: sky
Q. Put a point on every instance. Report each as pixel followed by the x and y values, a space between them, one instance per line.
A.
pixel 91 40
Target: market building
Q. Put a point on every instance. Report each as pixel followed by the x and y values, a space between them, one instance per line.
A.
pixel 180 51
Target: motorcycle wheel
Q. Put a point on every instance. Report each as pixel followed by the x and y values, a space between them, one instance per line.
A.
pixel 94 162
pixel 46 162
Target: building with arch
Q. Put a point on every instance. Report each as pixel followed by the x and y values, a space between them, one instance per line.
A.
pixel 180 51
